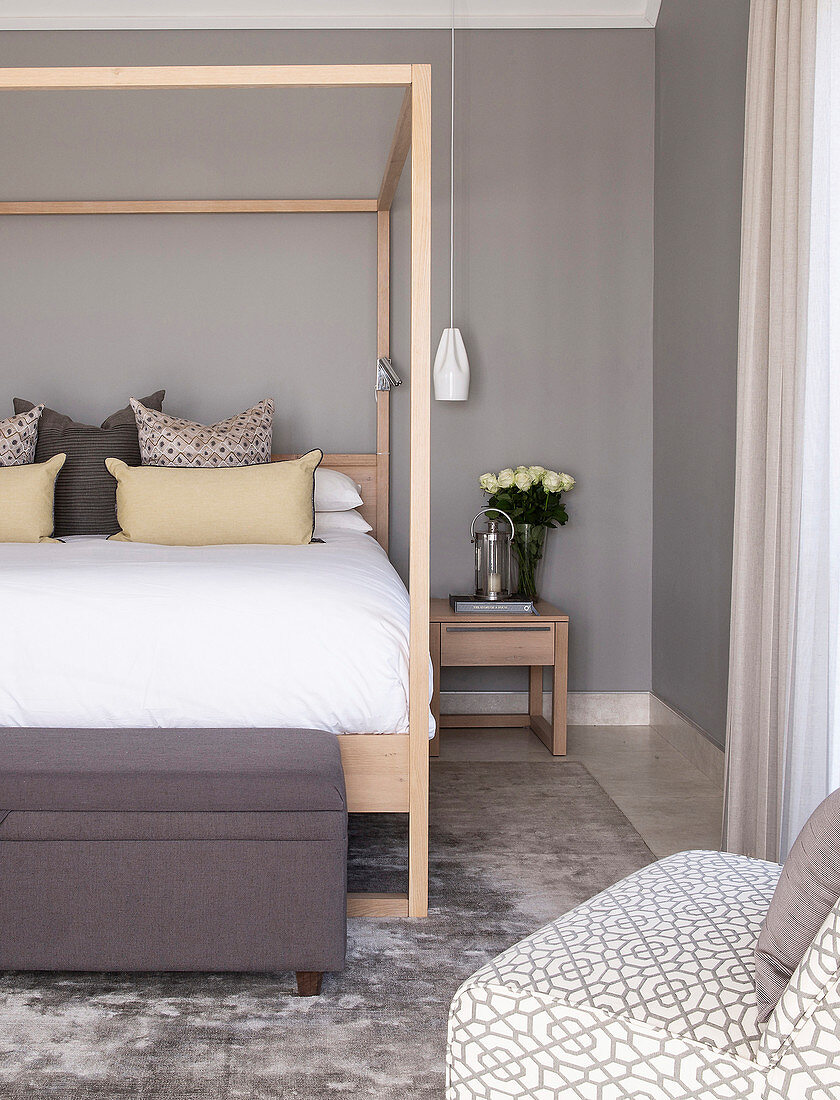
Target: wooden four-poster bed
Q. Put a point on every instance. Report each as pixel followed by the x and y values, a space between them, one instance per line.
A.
pixel 383 773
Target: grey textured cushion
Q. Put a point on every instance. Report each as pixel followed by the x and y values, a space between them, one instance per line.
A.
pixel 806 893
pixel 170 770
pixel 85 493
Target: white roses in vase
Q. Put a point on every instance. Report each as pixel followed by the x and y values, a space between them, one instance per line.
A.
pixel 533 498
pixel 529 494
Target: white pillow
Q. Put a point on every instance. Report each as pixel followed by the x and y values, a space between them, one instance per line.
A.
pixel 339 523
pixel 335 492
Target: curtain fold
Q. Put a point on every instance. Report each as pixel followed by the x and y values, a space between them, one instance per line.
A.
pixel 775 245
pixel 812 742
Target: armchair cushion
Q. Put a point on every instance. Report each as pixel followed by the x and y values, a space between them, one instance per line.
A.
pixel 808 888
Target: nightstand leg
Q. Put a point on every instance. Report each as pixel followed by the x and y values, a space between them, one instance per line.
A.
pixel 539 727
pixel 434 652
pixel 560 685
pixel 535 691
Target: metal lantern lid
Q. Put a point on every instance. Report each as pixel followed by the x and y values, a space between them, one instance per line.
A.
pixel 492 556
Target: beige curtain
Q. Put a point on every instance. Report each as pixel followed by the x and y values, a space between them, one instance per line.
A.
pixel 774 288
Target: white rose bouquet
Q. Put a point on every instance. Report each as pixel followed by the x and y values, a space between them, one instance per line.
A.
pixel 533 498
pixel 529 494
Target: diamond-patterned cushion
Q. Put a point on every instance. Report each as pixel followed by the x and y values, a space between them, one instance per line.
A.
pixel 18 437
pixel 242 440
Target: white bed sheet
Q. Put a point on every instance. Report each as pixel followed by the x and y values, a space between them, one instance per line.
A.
pixel 101 633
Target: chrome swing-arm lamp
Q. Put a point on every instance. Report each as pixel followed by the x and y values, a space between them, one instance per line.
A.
pixel 386 377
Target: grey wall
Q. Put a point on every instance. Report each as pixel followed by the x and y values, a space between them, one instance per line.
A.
pixel 554 285
pixel 700 81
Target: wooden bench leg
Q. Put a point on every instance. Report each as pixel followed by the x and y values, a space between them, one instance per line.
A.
pixel 309 982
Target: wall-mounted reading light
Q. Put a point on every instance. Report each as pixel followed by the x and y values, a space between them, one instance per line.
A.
pixel 386 377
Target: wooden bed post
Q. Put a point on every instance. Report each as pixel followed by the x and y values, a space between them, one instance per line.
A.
pixel 400 145
pixel 418 699
pixel 383 397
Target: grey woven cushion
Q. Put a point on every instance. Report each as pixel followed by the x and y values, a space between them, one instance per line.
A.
pixel 85 493
pixel 807 890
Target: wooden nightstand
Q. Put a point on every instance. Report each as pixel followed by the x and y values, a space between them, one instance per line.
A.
pixel 486 639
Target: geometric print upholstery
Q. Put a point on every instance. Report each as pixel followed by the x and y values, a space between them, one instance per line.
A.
pixel 647 990
pixel 801 1043
pixel 18 437
pixel 509 1046
pixel 650 948
pixel 241 440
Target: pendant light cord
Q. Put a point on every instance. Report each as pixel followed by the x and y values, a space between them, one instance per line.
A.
pixel 452 177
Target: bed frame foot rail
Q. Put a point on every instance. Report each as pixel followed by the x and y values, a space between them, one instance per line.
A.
pixel 377 905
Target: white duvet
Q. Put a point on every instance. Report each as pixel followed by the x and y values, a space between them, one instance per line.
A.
pixel 99 633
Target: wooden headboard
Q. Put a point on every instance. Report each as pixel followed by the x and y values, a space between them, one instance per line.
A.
pixel 371 473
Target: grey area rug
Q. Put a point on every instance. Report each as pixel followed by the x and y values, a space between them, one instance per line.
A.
pixel 512 846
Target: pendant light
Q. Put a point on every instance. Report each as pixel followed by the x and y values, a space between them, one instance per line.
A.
pixel 452 367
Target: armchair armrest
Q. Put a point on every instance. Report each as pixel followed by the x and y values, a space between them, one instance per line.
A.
pixel 507 1042
pixel 801 1043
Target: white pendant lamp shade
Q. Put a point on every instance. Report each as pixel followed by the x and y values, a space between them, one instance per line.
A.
pixel 452 367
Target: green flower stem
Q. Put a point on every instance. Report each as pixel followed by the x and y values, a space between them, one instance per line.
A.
pixel 528 545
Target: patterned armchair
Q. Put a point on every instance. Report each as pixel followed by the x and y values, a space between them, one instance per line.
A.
pixel 647 991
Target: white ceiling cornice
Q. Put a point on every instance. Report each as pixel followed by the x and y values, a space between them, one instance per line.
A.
pixel 322 14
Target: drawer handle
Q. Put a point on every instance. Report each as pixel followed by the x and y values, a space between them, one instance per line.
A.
pixel 494 629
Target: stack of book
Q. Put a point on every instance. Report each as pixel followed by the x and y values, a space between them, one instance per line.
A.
pixel 513 605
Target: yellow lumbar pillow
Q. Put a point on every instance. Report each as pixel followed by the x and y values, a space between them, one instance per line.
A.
pixel 26 500
pixel 269 503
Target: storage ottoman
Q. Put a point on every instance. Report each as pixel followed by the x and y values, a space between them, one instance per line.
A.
pixel 149 849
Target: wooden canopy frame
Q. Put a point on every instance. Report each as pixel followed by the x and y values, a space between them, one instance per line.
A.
pixel 384 773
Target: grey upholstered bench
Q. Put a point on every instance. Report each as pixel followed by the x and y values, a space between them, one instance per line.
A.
pixel 138 850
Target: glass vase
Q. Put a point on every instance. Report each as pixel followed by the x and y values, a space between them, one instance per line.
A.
pixel 528 545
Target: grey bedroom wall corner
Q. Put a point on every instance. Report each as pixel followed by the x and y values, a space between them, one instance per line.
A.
pixel 700 85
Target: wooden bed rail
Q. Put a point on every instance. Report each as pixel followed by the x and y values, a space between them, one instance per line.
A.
pixel 150 77
pixel 192 206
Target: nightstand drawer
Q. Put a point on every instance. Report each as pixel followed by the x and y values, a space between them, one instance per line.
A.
pixel 497 644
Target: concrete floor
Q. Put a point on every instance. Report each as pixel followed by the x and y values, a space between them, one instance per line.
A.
pixel 672 805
